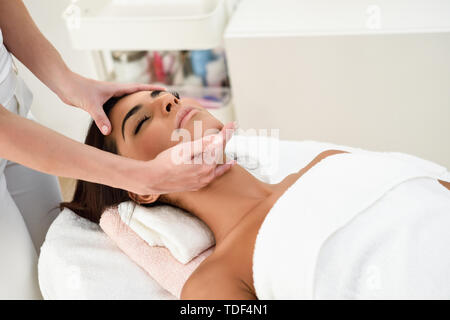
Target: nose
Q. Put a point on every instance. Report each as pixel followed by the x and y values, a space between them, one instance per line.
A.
pixel 169 103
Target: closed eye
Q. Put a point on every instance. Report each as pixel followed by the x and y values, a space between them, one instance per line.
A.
pixel 175 94
pixel 141 122
pixel 155 93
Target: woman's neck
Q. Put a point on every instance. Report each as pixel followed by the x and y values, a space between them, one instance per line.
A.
pixel 225 201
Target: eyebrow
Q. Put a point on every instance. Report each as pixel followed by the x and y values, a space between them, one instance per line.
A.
pixel 155 93
pixel 128 115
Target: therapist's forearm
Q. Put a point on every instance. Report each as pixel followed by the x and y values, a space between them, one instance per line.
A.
pixel 37 147
pixel 24 40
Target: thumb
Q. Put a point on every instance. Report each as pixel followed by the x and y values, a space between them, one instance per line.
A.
pixel 102 121
pixel 220 138
pixel 222 168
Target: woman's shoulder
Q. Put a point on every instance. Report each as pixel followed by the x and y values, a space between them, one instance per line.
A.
pixel 292 178
pixel 318 158
pixel 213 280
pixel 322 156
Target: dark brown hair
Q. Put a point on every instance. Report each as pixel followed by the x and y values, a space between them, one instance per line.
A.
pixel 91 199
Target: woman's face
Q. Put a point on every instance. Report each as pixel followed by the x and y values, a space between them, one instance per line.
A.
pixel 143 123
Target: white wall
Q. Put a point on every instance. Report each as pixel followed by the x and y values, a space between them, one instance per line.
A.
pixel 381 93
pixel 47 108
pixel 314 70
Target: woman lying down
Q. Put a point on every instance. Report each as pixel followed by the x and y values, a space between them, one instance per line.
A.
pixel 348 225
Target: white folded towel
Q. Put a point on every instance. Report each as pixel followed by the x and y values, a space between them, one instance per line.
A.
pixel 182 233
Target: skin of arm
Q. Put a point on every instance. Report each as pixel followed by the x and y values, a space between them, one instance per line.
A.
pixel 56 154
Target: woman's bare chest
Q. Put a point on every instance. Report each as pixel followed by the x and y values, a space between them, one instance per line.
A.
pixel 237 251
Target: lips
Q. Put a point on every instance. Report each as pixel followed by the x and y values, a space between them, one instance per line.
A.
pixel 184 115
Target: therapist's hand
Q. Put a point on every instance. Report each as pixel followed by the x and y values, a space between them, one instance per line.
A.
pixel 90 95
pixel 175 169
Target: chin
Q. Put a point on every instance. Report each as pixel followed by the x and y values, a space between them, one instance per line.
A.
pixel 208 124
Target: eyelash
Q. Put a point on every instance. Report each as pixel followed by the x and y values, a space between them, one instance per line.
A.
pixel 145 118
pixel 140 123
pixel 176 94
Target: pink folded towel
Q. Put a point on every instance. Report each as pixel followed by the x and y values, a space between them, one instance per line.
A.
pixel 158 262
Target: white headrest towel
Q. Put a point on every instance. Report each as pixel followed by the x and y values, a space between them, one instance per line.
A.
pixel 182 233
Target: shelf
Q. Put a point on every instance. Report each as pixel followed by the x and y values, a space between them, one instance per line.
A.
pixel 146 25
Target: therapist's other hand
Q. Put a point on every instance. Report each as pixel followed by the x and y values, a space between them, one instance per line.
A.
pixel 186 174
pixel 90 95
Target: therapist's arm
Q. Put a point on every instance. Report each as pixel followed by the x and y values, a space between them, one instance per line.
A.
pixel 37 147
pixel 24 40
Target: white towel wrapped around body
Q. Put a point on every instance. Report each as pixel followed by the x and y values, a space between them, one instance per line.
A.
pixel 358 225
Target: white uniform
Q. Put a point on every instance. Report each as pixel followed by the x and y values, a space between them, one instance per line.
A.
pixel 28 200
pixel 7 81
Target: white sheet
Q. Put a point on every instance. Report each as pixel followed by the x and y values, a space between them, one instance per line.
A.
pixel 79 261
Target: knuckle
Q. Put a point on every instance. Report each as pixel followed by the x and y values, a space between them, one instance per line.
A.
pixel 209 177
pixel 204 180
pixel 211 174
pixel 208 170
pixel 97 115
